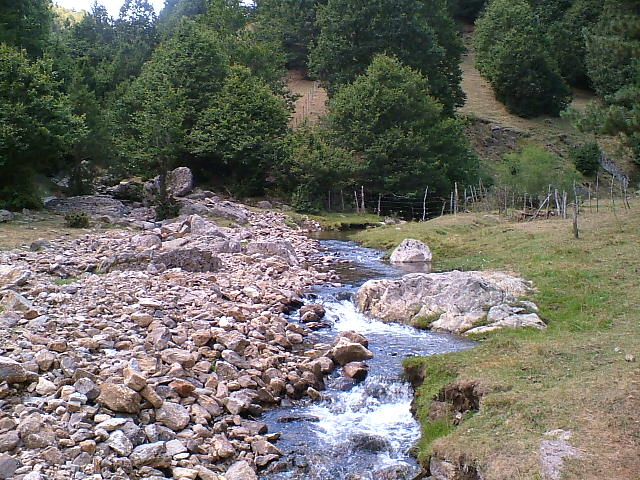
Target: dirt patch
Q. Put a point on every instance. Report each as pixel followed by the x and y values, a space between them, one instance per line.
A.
pixel 313 98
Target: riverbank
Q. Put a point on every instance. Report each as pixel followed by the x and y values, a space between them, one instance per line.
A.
pixel 577 376
pixel 150 350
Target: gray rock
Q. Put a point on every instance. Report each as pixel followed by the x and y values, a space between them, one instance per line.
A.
pixel 264 204
pixel 8 466
pixel 120 444
pixel 146 240
pixel 189 260
pixel 173 415
pixel 228 210
pixel 150 454
pixel 9 441
pixel 282 249
pixel 411 251
pixel 91 204
pixel 11 371
pixel 5 216
pixel 180 182
pixel 14 302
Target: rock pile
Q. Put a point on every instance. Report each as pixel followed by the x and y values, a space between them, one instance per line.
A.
pixel 151 355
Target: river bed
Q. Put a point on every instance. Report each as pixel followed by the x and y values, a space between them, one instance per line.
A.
pixel 359 431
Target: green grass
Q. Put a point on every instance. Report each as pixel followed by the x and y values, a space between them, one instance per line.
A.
pixel 64 281
pixel 339 221
pixel 572 376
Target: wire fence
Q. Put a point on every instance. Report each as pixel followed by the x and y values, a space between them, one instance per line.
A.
pixel 507 201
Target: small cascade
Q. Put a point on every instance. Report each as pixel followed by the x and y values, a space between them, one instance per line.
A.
pixel 362 431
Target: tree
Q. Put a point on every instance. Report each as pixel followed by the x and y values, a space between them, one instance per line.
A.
pixel 512 55
pixel 566 38
pixel 613 61
pixel 26 24
pixel 240 136
pixel 421 35
pixel 292 23
pixel 466 10
pixel 37 127
pixel 398 135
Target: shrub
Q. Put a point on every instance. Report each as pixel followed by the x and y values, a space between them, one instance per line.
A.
pixel 77 220
pixel 586 158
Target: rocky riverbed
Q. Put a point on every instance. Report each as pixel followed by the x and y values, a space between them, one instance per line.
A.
pixel 150 354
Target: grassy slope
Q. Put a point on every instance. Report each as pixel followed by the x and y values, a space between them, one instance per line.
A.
pixel 573 376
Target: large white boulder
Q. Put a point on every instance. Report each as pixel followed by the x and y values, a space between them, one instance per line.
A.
pixel 457 302
pixel 411 251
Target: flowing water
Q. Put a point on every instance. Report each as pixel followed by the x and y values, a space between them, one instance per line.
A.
pixel 360 430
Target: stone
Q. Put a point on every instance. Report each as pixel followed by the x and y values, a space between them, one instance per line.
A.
pixel 356 370
pixel 12 371
pixel 87 387
pixel 264 204
pixel 173 415
pixel 45 387
pixel 150 454
pixel 345 352
pixel 35 432
pixel 91 204
pixel 133 379
pixel 141 319
pixel 411 251
pixel 175 447
pixel 119 398
pixel 228 210
pixel 352 336
pixel 119 443
pixel 151 396
pixel 241 471
pixel 182 473
pixel 11 276
pixel 176 355
pixel 146 240
pixel 451 301
pixel 8 466
pixel 8 441
pixel 180 181
pixel 182 387
pixel 6 216
pixel 202 226
pixel 45 360
pixel 312 313
pixel 14 302
pixel 189 260
pixel 282 249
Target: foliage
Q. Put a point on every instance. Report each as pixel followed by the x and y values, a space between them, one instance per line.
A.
pixel 77 220
pixel 613 60
pixel 533 170
pixel 513 55
pixel 26 24
pixel 566 37
pixel 292 23
pixel 399 138
pixel 37 126
pixel 586 158
pixel 240 134
pixel 313 166
pixel 421 35
pixel 466 10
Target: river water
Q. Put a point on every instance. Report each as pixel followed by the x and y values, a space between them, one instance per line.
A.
pixel 360 431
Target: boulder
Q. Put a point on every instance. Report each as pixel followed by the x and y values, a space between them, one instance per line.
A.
pixel 180 182
pixel 241 471
pixel 150 454
pixel 128 190
pixel 91 204
pixel 173 415
pixel 11 276
pixel 356 370
pixel 14 302
pixel 451 301
pixel 264 204
pixel 189 260
pixel 282 249
pixel 12 371
pixel 228 210
pixel 411 251
pixel 146 240
pixel 346 351
pixel 119 398
pixel 5 216
pixel 8 466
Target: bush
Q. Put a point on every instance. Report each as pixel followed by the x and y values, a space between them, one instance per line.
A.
pixel 77 220
pixel 586 158
pixel 533 169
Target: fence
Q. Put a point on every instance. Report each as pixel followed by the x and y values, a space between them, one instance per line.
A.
pixel 523 206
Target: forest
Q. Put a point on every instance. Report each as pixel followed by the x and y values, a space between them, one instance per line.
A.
pixel 201 84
